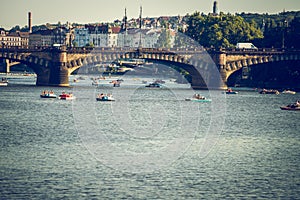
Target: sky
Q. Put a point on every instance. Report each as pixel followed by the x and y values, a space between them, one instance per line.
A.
pixel 15 12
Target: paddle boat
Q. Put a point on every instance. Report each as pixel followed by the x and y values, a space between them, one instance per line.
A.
pixel 288 92
pixel 105 97
pixel 230 91
pixel 153 85
pixel 198 98
pixel 3 82
pixel 116 83
pixel 48 94
pixel 264 91
pixel 294 106
pixel 66 96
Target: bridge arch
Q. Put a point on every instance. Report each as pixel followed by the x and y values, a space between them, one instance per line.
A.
pixel 198 68
pixel 250 61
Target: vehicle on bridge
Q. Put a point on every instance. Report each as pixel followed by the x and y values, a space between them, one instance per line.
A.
pixel 245 45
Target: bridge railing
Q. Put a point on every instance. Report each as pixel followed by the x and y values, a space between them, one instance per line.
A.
pixel 150 50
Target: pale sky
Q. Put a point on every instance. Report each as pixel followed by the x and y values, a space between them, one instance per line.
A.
pixel 15 12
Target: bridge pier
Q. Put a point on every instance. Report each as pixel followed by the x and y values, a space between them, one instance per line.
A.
pixel 53 77
pixel 57 74
pixel 5 66
pixel 219 81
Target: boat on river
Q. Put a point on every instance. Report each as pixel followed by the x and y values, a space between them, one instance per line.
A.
pixel 230 91
pixel 3 82
pixel 66 96
pixel 153 85
pixel 288 92
pixel 104 97
pixel 198 98
pixel 294 106
pixel 48 94
pixel 265 91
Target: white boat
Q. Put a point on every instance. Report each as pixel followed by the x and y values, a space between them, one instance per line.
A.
pixel 198 100
pixel 288 92
pixel 48 95
pixel 4 82
pixel 105 98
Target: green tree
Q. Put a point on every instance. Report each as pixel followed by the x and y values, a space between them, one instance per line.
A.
pixel 224 30
pixel 164 39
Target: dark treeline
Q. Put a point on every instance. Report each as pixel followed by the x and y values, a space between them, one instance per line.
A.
pixel 225 30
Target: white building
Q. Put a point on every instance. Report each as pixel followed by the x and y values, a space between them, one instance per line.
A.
pixel 10 39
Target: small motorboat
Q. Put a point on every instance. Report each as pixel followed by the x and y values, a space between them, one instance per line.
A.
pixel 153 85
pixel 288 92
pixel 66 96
pixel 49 95
pixel 103 97
pixel 264 91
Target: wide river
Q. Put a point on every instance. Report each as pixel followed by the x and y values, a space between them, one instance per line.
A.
pixel 148 144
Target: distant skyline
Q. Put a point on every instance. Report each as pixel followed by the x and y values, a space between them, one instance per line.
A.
pixel 15 12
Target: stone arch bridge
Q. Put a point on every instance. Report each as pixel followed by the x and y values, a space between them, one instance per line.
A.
pixel 208 68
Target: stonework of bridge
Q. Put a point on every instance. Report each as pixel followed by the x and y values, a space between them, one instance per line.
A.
pixel 53 66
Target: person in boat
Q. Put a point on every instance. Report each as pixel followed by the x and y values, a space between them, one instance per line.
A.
pixel 229 90
pixel 198 96
pixel 294 105
pixel 101 95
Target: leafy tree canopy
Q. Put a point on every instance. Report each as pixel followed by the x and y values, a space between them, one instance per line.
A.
pixel 224 30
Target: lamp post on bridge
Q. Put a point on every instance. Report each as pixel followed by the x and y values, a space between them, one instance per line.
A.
pixel 285 25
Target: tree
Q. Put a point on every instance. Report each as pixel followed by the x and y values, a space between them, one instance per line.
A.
pixel 15 29
pixel 164 39
pixel 224 30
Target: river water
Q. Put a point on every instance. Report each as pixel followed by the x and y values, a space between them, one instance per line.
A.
pixel 148 144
